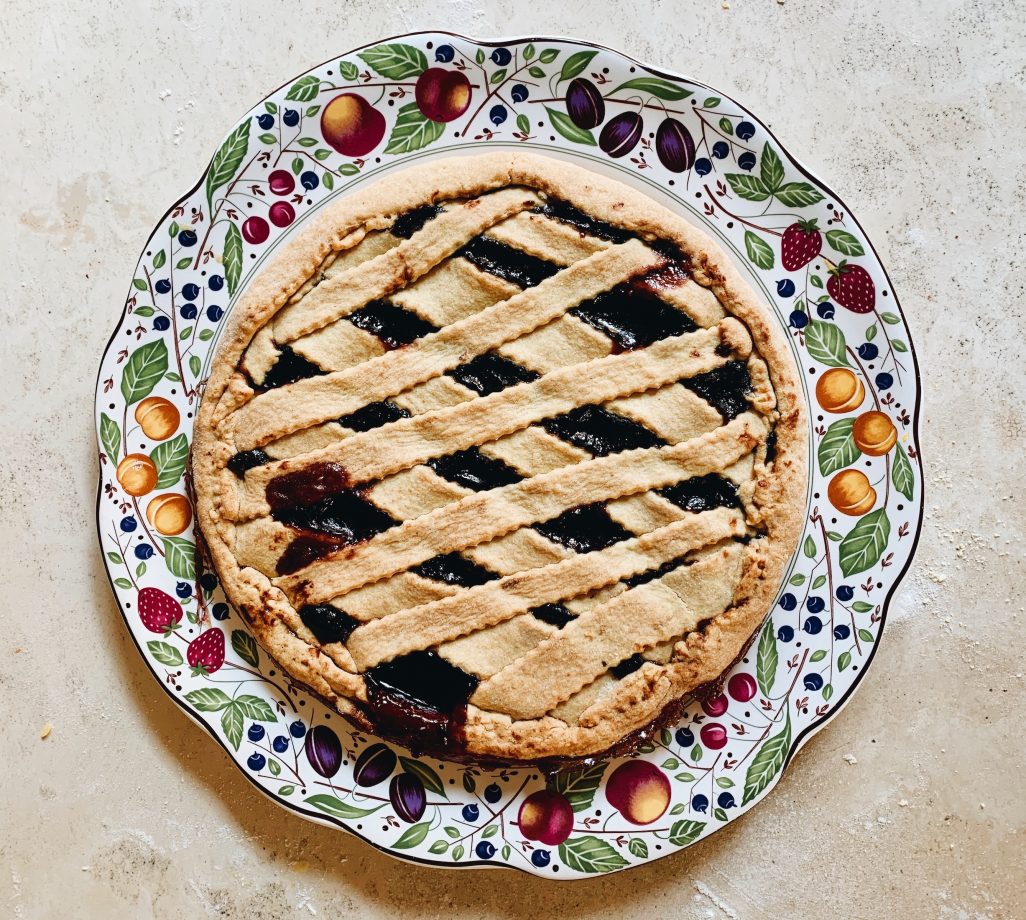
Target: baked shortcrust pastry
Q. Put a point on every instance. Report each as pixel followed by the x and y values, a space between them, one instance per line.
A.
pixel 502 459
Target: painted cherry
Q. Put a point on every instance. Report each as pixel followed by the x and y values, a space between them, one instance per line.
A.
pixel 715 706
pixel 742 687
pixel 281 214
pixel 255 230
pixel 281 182
pixel 714 736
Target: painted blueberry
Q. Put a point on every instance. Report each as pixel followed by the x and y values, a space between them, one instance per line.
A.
pixel 884 381
pixel 471 813
pixel 700 803
pixel 497 114
pixel 484 850
pixel 685 737
pixel 725 800
pixel 188 311
pixel 868 351
pixel 266 121
pixel 746 160
pixel 785 287
pixel 745 130
pixel 785 634
pixel 720 150
pixel 444 54
pixel 841 632
pixel 280 744
pixel 826 310
pixel 143 551
pixel 813 625
pixel 290 118
pixel 492 793
pixel 214 313
pixel 518 93
pixel 256 732
pixel 501 56
pixel 256 762
pixel 815 604
pixel 845 593
pixel 190 291
pixel 208 581
pixel 220 611
pixel 813 681
pixel 163 286
pixel 788 601
pixel 215 282
pixel 798 319
pixel 183 589
pixel 297 729
pixel 161 323
pixel 540 858
pixel 128 524
pixel 703 166
pixel 309 180
pixel 187 238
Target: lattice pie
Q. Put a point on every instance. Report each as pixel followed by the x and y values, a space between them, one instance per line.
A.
pixel 502 459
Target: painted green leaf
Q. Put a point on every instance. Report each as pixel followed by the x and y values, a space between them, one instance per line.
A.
pixel 871 332
pixel 173 228
pixel 901 475
pixel 185 333
pixel 724 782
pixel 747 186
pixel 726 126
pixel 287 789
pixel 457 852
pixel 720 813
pixel 195 365
pixel 498 76
pixel 165 653
pixel 816 281
pixel 523 124
pixel 590 854
pixel 395 61
pixel 818 655
pixel 170 458
pixel 307 142
pixel 232 723
pixel 206 335
pixel 711 102
pixel 180 556
pixel 139 284
pixel 810 547
pixel 490 831
pixel 892 319
pixel 271 108
pixel 439 846
pixel 143 370
pixel 479 56
pixel 548 55
pixel 838 448
pixel 564 126
pixel 252 707
pixel 123 583
pixel 825 343
pixel 335 807
pixel 140 570
pixel 536 72
pixel 322 153
pixel 297 165
pixel 413 836
pixel 469 783
pixel 797 580
pixel 671 763
pixel 208 699
pixel 173 377
pixel 767 763
pixel 304 89
pixel 346 169
pixel 575 64
pixel 412 130
pixel 348 70
pixel 115 558
pixel 579 785
pixel 145 310
pixel 268 138
pixel 183 263
pixel 766 660
pixel 227 161
pixel 232 258
pixel 684 832
pixel 771 169
pixel 898 345
pixel 758 250
pixel 834 536
pixel 245 647
pixel 865 543
pixel 328 181
pixel 528 52
pixel 425 774
pixel 828 691
pixel 110 436
pixel 664 89
pixel 865 635
pixel 696 753
pixel 160 259
pixel 680 807
pixel 798 195
pixel 844 243
pixel 861 607
pixel 682 778
pixel 273 766
pixel 665 736
pixel 638 847
pixel 843 661
pixel 819 582
pixel 453 832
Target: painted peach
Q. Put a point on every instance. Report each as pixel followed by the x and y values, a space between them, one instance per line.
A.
pixel 442 95
pixel 137 474
pixel 546 816
pixel 352 125
pixel 874 433
pixel 169 514
pixel 158 417
pixel 850 493
pixel 839 390
pixel 638 790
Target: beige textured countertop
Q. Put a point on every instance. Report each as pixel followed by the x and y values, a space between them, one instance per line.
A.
pixel 911 804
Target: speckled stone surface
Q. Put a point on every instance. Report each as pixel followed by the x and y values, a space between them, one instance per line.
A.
pixel 912 803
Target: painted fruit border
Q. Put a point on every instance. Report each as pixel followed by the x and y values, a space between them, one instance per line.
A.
pixel 825 290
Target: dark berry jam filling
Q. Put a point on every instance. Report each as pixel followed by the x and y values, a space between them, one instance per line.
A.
pixel 507 262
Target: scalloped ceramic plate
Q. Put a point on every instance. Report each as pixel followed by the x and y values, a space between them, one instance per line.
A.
pixel 745 190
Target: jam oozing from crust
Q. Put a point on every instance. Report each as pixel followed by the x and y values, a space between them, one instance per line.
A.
pixel 726 388
pixel 289 368
pixel 421 698
pixel 345 515
pixel 473 470
pixel 409 223
pixel 306 486
pixel 554 614
pixel 653 574
pixel 247 460
pixel 627 666
pixel 507 262
pixel 327 623
pixel 703 493
pixel 393 325
pixel 305 549
pixel 489 373
pixel 566 213
pixel 584 529
pixel 454 569
pixel 373 415
pixel 633 317
pixel 600 431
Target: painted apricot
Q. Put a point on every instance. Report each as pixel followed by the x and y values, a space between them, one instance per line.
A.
pixel 169 514
pixel 546 816
pixel 839 390
pixel 352 125
pixel 874 433
pixel 850 493
pixel 638 790
pixel 442 95
pixel 137 474
pixel 158 417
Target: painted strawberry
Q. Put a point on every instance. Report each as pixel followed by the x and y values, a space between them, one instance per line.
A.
pixel 159 612
pixel 206 652
pixel 852 288
pixel 801 244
